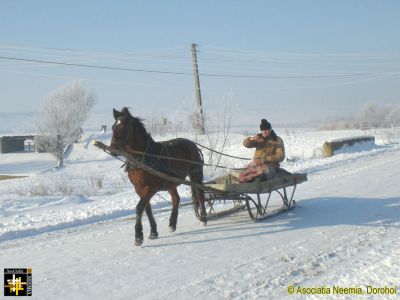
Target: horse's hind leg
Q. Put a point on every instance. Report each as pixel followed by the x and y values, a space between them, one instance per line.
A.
pixel 198 195
pixel 175 204
pixel 153 224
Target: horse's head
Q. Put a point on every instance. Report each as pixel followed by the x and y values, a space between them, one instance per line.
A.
pixel 128 131
pixel 120 128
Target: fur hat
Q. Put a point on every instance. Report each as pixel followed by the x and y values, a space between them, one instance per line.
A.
pixel 265 125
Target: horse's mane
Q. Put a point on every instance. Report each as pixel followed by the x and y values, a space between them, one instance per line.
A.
pixel 138 123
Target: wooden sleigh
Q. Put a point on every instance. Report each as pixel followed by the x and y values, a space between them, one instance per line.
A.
pixel 256 195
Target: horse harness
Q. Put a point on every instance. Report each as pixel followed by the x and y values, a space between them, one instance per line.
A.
pixel 149 158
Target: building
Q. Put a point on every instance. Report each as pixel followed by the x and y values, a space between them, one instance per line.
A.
pixel 17 143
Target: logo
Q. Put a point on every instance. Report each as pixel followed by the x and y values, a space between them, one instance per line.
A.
pixel 18 282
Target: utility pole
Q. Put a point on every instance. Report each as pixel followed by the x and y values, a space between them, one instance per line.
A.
pixel 199 109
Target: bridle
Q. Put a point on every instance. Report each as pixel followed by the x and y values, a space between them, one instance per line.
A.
pixel 120 137
pixel 129 130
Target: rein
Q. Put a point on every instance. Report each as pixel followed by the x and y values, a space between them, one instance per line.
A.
pixel 152 171
pixel 223 154
pixel 182 160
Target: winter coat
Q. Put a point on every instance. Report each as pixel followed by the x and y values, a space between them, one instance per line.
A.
pixel 268 150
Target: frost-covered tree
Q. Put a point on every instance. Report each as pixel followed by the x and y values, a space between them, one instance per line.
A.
pixel 374 114
pixel 393 117
pixel 377 115
pixel 63 113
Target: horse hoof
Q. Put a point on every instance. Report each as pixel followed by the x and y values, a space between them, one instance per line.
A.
pixel 203 223
pixel 153 236
pixel 138 241
pixel 172 228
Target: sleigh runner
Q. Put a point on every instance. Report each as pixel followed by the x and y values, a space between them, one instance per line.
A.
pixel 226 188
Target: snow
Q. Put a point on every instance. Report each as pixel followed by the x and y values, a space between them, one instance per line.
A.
pixel 25 163
pixel 74 226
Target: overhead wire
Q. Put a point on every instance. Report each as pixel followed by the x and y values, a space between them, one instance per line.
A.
pixel 258 53
pixel 83 56
pixel 92 54
pixel 118 82
pixel 248 64
pixel 190 73
pixel 92 66
pixel 143 61
pixel 264 58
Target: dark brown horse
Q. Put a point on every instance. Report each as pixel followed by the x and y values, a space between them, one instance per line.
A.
pixel 130 136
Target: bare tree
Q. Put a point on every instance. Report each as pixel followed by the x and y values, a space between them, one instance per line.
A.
pixel 63 114
pixel 217 131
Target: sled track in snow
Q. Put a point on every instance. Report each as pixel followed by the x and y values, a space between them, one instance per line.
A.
pixel 301 268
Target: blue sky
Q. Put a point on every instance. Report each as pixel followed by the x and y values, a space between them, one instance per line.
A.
pixel 299 60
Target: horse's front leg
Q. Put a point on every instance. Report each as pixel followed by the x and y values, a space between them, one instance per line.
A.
pixel 144 201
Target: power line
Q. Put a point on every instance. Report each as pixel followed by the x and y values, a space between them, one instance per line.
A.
pixel 218 50
pixel 265 54
pixel 214 66
pixel 201 74
pixel 141 54
pixel 119 82
pixel 91 66
pixel 224 55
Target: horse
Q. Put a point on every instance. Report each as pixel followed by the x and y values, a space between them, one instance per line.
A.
pixel 130 135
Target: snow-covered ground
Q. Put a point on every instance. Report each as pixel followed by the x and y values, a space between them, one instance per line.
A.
pixel 25 163
pixel 74 226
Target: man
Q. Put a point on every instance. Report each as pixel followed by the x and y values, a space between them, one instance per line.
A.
pixel 270 151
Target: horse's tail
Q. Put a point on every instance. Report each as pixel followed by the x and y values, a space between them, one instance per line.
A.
pixel 198 197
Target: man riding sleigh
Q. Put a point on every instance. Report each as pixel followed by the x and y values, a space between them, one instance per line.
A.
pixel 270 151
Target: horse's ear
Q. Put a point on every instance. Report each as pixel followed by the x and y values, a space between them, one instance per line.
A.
pixel 125 111
pixel 116 113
